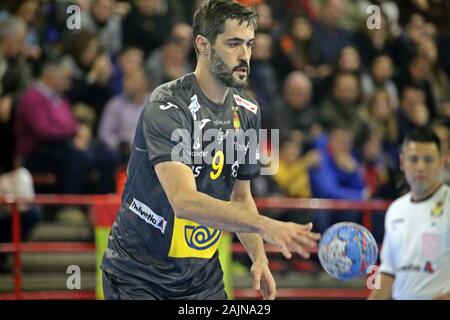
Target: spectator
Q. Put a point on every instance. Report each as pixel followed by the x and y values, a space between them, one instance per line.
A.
pixel 348 62
pixel 118 123
pixel 417 75
pixel 380 78
pixel 412 113
pixel 292 176
pixel 17 183
pixel 295 50
pixel 380 113
pixel 405 46
pixel 294 110
pixel 378 169
pixel 15 76
pixel 49 140
pixel 372 43
pixel 167 63
pixel 342 108
pixel 102 19
pixel 328 37
pixel 338 176
pixel 146 26
pixel 437 77
pixel 92 78
pixel 27 11
pixel 128 60
pixel 263 79
pixel 15 73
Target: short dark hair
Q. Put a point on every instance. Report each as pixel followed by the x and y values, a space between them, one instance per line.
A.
pixel 209 19
pixel 424 134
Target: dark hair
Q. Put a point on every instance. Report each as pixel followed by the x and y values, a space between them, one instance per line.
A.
pixel 210 18
pixel 424 134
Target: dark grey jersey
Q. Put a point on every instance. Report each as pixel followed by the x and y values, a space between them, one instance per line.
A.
pixel 176 258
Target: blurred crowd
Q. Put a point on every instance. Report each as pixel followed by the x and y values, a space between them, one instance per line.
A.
pixel 343 95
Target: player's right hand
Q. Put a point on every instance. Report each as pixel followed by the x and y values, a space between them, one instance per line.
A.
pixel 290 237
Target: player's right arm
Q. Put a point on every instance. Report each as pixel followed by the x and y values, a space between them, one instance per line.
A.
pixel 385 291
pixel 179 185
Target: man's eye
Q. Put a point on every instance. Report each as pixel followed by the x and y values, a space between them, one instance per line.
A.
pixel 234 44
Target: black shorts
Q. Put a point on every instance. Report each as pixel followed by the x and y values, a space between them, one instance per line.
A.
pixel 117 289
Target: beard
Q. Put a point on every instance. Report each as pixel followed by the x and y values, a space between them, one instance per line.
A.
pixel 225 74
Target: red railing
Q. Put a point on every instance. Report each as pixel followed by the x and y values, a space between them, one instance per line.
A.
pixel 16 247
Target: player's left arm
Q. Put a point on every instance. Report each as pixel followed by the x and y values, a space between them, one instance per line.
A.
pixel 253 242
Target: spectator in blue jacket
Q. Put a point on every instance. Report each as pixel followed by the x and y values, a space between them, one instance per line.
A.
pixel 338 176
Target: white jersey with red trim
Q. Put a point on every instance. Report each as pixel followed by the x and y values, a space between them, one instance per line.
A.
pixel 416 246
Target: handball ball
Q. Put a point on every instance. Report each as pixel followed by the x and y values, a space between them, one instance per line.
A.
pixel 346 250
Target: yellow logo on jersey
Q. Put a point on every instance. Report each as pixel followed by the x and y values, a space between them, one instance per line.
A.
pixel 191 240
pixel 438 210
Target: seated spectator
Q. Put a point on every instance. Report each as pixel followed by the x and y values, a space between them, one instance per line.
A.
pixel 15 72
pixel 263 79
pixel 292 176
pixel 439 81
pixel 146 26
pixel 348 62
pixel 417 75
pixel 372 43
pixel 92 76
pixel 121 115
pixel 380 77
pixel 294 110
pixel 338 176
pixel 167 63
pixel 128 60
pixel 328 37
pixel 19 184
pixel 27 11
pixel 378 168
pixel 295 50
pixel 405 46
pixel 380 113
pixel 412 112
pixel 102 20
pixel 49 139
pixel 342 107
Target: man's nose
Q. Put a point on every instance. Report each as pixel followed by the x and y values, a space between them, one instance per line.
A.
pixel 245 53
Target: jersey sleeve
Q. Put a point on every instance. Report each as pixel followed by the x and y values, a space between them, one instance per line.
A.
pixel 167 131
pixel 386 255
pixel 252 166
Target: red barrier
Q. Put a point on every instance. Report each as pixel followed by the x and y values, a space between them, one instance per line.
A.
pixel 106 217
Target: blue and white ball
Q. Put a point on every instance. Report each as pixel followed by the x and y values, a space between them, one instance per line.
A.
pixel 346 250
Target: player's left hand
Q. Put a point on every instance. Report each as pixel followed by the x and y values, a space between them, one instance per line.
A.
pixel 263 279
pixel 444 296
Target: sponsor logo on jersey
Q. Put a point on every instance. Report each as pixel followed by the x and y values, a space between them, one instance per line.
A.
pixel 203 123
pixel 194 107
pixel 246 104
pixel 147 214
pixel 200 237
pixel 192 240
pixel 438 210
pixel 168 106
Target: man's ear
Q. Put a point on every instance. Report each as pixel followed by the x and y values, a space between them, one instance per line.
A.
pixel 202 44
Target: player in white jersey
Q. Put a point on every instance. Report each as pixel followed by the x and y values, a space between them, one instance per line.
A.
pixel 415 256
